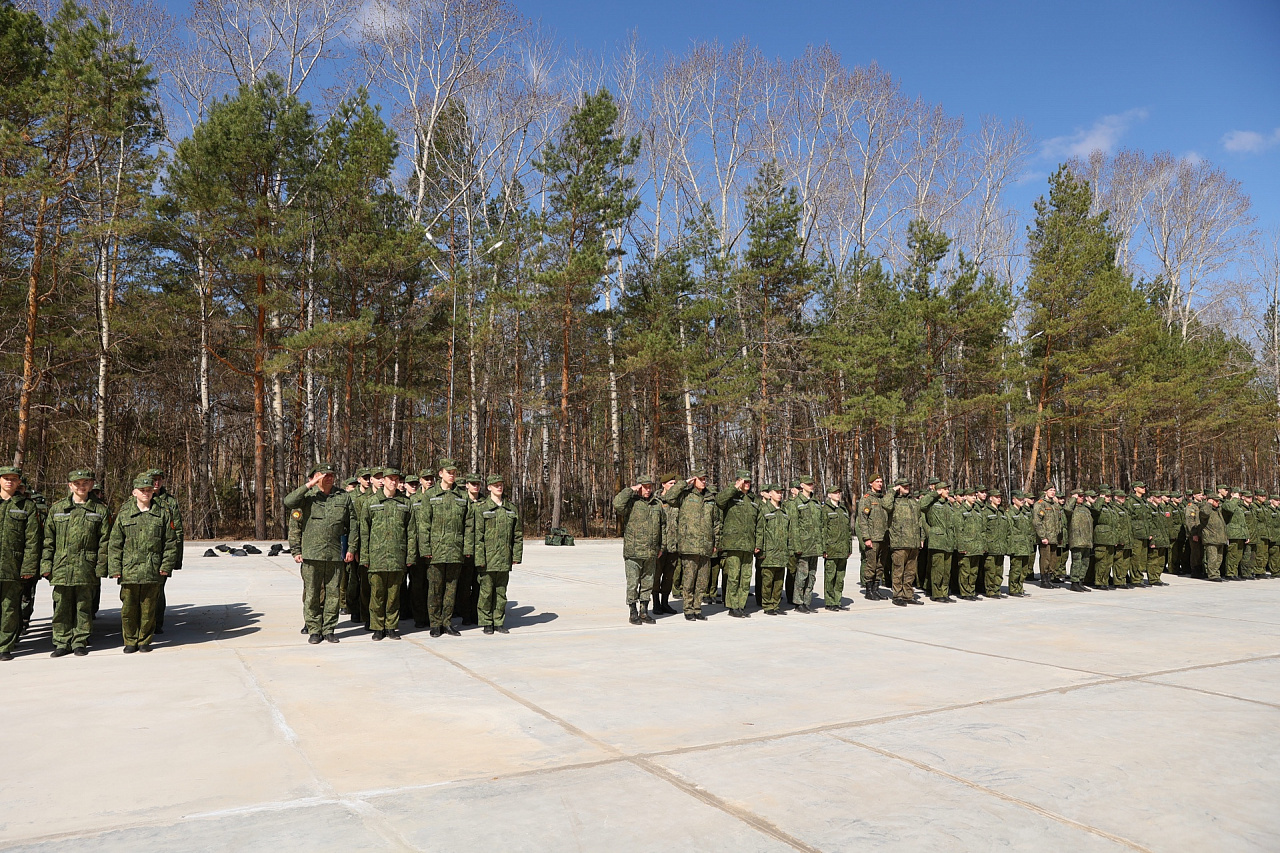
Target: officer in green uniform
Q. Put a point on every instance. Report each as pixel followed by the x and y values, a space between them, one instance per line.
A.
pixel 498 544
pixel 807 518
pixel 871 524
pixel 905 535
pixel 1022 543
pixel 387 548
pixel 20 542
pixel 163 497
pixel 1194 561
pixel 1273 560
pixel 970 541
pixel 738 512
pixel 995 541
pixel 644 523
pixel 1251 544
pixel 668 568
pixel 350 574
pixel 837 545
pixel 1080 537
pixel 1105 533
pixel 1141 520
pixel 143 549
pixel 775 542
pixel 1235 514
pixel 319 517
pixel 939 536
pixel 468 579
pixel 74 561
pixel 1049 520
pixel 1214 538
pixel 697 518
pixel 418 571
pixel 1160 539
pixel 442 538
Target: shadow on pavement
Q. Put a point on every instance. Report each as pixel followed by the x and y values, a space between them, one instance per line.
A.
pixel 521 616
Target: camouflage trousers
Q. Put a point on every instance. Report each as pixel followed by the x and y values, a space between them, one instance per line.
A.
pixel 384 600
pixel 138 612
pixel 320 595
pixel 992 574
pixel 442 592
pixel 1247 560
pixel 1235 551
pixel 873 564
pixel 695 572
pixel 1138 563
pixel 1213 560
pixel 940 575
pixel 1079 564
pixel 904 573
pixel 664 574
pixel 10 614
pixel 1019 570
pixel 737 570
pixel 771 580
pixel 969 565
pixel 640 574
pixel 833 588
pixel 1103 558
pixel 1050 563
pixel 72 616
pixel 806 572
pixel 1155 564
pixel 492 604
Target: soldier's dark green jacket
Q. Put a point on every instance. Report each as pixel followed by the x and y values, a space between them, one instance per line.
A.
pixel 1236 516
pixel 1049 521
pixel 806 521
pixel 143 544
pixel 1081 534
pixel 872 520
pixel 775 538
pixel 387 540
pixel 1141 521
pixel 697 518
pixel 169 502
pixel 317 523
pixel 995 530
pixel 739 512
pixel 643 524
pixel 937 522
pixel 497 536
pixel 1124 530
pixel 1106 522
pixel 971 528
pixel 1213 528
pixel 672 524
pixel 442 524
pixel 76 542
pixel 1022 531
pixel 19 538
pixel 1161 537
pixel 837 531
pixel 905 529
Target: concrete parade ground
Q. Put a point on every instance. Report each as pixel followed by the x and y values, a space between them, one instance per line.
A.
pixel 1128 720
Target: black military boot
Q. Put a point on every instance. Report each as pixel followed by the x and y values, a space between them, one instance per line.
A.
pixel 644 614
pixel 635 615
pixel 665 607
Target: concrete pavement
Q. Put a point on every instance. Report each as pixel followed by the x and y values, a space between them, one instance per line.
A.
pixel 1129 720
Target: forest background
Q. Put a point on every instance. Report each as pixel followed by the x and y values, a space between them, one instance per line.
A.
pixel 384 231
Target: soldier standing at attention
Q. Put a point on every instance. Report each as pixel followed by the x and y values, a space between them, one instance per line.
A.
pixel 995 539
pixel 969 541
pixel 1235 515
pixel 905 536
pixel 387 549
pixel 442 534
pixel 1104 538
pixel 937 510
pixel 169 502
pixel 1048 520
pixel 668 567
pixel 498 544
pixel 643 534
pixel 418 571
pixel 20 543
pixel 1022 543
pixel 872 526
pixel 738 512
pixel 1213 534
pixel 319 518
pixel 1193 563
pixel 74 560
pixel 142 552
pixel 468 580
pixel 698 526
pixel 1080 538
pixel 837 545
pixel 775 542
pixel 807 519
pixel 1141 532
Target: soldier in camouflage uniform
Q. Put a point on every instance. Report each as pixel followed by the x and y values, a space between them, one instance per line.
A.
pixel 468 579
pixel 20 543
pixel 418 585
pixel 1273 560
pixel 1080 537
pixel 837 545
pixel 940 537
pixel 74 561
pixel 871 524
pixel 1160 539
pixel 143 549
pixel 970 544
pixel 668 568
pixel 29 584
pixel 169 502
pixel 1022 543
pixel 442 534
pixel 1049 521
pixel 1105 533
pixel 643 539
pixel 387 548
pixel 807 519
pixel 995 541
pixel 905 535
pixel 1141 521
pixel 738 513
pixel 775 542
pixel 498 544
pixel 697 520
pixel 320 516
pixel 1213 534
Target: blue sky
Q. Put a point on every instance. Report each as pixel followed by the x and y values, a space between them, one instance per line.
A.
pixel 1198 78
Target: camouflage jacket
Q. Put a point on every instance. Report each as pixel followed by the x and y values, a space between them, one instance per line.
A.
pixel 441 524
pixel 387 540
pixel 20 536
pixel 317 523
pixel 643 524
pixel 144 544
pixel 76 540
pixel 497 536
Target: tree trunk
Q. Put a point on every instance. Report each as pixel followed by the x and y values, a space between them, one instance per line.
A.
pixel 29 377
pixel 260 407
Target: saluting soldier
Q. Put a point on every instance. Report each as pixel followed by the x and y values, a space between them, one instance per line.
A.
pixel 1049 520
pixel 995 542
pixel 1022 543
pixel 940 537
pixel 20 543
pixel 1235 515
pixel 498 544
pixel 1213 534
pixel 320 516
pixel 644 522
pixel 169 502
pixel 1080 537
pixel 418 571
pixel 668 567
pixel 970 541
pixel 387 548
pixel 905 536
pixel 837 546
pixel 738 512
pixel 442 537
pixel 775 542
pixel 697 520
pixel 872 526
pixel 807 518
pixel 143 550
pixel 74 561
pixel 1105 533
pixel 468 580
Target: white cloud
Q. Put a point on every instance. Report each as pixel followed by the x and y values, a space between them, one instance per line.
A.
pixel 1249 141
pixel 1103 135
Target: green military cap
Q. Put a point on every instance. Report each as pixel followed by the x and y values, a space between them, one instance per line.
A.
pixel 932 481
pixel 981 487
pixel 447 464
pixel 363 472
pixel 902 481
pixel 1222 488
pixel 795 484
pixel 1138 484
pixel 698 474
pixel 351 481
pixel 427 475
pixel 473 478
pixel 495 479
pixel 644 480
pixel 10 471
pixel 943 484
pixel 742 474
pixel 1104 487
pixel 392 472
pixel 143 481
pixel 834 489
pixel 668 476
pixel 1261 493
pixel 1076 492
pixel 771 487
pixel 874 477
pixel 157 472
pixel 1090 493
pixel 377 470
pixel 411 478
pixel 1016 493
pixel 806 480
pixel 80 474
pixel 1118 493
pixel 320 468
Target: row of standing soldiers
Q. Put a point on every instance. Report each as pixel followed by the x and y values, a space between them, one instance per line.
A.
pixel 75 544
pixel 385 539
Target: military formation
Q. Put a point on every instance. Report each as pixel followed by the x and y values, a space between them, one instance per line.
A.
pixel 683 539
pixel 77 543
pixel 386 546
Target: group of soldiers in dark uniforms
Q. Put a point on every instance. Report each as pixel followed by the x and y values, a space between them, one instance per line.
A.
pixel 75 544
pixel 384 541
pixel 685 539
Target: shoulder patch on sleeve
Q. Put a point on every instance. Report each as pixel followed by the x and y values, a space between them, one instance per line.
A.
pixel 297 513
